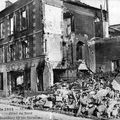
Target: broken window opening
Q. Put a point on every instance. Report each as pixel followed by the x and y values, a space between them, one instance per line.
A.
pixel 68 23
pixel 17 50
pixel 1 81
pixel 23 19
pixel 1 54
pixel 30 46
pixel 11 20
pixel 17 21
pixel 25 49
pixel 8 53
pixel 5 54
pixel 2 30
pixel 12 49
pixel 79 55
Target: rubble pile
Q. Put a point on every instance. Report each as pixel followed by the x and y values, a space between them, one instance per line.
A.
pixel 93 96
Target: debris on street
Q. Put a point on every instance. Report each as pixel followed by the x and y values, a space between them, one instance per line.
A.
pixel 94 96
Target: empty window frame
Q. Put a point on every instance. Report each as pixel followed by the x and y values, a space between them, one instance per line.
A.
pixel 23 19
pixel 25 49
pixel 2 30
pixel 12 52
pixel 79 50
pixel 68 23
pixel 11 20
pixel 8 53
pixel 17 21
pixel 30 50
pixel 17 50
pixel 5 53
pixel 1 81
pixel 1 54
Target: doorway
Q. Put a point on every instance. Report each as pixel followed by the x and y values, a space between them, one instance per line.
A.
pixel 18 81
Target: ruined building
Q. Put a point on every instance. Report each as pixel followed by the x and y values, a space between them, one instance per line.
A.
pixel 42 41
pixel 107 54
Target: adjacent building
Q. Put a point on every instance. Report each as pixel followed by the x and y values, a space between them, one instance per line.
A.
pixel 82 23
pixel 107 54
pixel 43 41
pixel 114 30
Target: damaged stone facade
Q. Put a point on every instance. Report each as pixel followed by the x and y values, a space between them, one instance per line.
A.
pixel 44 42
pixel 82 23
pixel 21 46
pixel 107 54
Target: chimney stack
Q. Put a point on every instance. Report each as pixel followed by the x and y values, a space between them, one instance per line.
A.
pixel 8 3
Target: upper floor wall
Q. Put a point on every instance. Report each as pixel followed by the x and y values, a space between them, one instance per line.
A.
pixel 29 23
pixel 86 19
pixel 107 53
pixel 21 30
pixel 19 18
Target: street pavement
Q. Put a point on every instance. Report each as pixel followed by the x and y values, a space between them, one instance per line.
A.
pixel 8 112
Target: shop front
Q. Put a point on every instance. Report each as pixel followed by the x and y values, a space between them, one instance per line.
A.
pixel 18 77
pixel 25 77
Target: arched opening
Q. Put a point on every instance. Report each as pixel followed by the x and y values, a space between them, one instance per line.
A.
pixel 79 50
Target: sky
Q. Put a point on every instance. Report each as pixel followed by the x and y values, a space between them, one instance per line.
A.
pixel 114 8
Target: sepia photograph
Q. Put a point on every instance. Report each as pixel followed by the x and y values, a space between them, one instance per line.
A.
pixel 59 60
